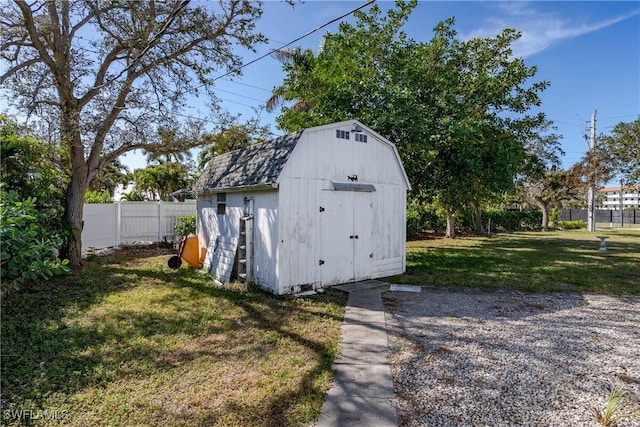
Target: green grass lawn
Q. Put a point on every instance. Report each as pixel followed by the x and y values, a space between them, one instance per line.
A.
pixel 537 262
pixel 129 342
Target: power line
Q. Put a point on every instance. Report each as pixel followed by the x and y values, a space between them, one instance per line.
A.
pixel 272 51
pixel 237 94
pixel 567 123
pixel 621 117
pixel 246 84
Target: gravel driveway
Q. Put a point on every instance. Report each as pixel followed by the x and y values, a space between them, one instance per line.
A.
pixel 470 357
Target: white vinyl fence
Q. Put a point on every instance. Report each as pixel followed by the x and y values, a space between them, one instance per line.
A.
pixel 126 223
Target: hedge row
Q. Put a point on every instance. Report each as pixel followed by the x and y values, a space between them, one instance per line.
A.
pixel 422 217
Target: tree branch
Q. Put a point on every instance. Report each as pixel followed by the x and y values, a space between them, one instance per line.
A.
pixel 18 67
pixel 34 34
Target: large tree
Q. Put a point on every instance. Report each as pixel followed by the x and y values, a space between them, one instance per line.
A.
pixel 234 137
pixel 623 149
pixel 162 178
pixel 111 72
pixel 552 188
pixel 458 111
pixel 109 177
pixel 545 183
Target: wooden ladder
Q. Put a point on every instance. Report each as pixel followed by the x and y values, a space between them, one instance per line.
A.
pixel 245 249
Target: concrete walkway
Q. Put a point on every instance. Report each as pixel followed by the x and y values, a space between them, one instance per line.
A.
pixel 362 391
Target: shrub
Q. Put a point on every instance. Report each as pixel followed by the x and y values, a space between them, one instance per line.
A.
pixel 185 225
pixel 572 225
pixel 423 216
pixel 92 196
pixel 508 220
pixel 28 247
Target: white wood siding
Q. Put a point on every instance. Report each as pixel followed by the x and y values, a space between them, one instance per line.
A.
pixel 266 257
pixel 318 159
pixel 265 233
pixel 290 231
pixel 300 232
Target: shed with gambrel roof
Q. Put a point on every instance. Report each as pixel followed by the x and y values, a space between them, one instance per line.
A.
pixel 314 208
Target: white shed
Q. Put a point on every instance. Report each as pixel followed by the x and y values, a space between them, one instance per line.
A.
pixel 318 207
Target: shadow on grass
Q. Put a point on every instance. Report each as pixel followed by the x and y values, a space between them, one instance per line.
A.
pixel 116 323
pixel 531 264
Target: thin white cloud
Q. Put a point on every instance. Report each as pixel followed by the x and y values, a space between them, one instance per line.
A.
pixel 539 30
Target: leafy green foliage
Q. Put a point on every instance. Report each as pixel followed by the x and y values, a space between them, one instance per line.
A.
pixel 134 196
pixel 106 94
pixel 624 150
pixel 572 225
pixel 109 177
pixel 512 220
pixel 28 247
pixel 185 225
pixel 31 169
pixel 163 178
pixel 423 216
pixel 613 411
pixel 457 111
pixel 92 196
pixel 235 137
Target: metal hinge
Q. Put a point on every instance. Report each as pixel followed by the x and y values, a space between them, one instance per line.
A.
pixel 321 209
pixel 321 262
pixel 355 236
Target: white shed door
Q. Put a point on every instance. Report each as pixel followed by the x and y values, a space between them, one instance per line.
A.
pixel 346 236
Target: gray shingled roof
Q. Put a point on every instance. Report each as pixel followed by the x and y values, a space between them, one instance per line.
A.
pixel 255 166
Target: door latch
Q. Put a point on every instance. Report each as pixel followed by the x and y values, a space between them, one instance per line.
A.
pixel 321 262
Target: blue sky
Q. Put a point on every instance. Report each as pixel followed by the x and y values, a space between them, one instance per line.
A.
pixel 588 51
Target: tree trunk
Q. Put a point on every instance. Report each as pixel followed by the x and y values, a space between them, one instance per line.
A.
pixel 73 214
pixel 451 224
pixel 477 220
pixel 74 204
pixel 544 206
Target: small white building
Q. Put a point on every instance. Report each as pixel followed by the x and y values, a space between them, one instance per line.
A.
pixel 319 207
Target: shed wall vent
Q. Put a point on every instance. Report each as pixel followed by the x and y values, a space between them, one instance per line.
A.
pixel 353 186
pixel 342 134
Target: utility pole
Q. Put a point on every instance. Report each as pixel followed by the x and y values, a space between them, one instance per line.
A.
pixel 591 206
pixel 621 205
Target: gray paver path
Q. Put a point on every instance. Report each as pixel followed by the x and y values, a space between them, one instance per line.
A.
pixel 362 391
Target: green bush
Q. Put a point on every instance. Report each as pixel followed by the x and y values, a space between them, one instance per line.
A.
pixel 572 225
pixel 414 225
pixel 423 216
pixel 185 225
pixel 92 196
pixel 508 220
pixel 28 248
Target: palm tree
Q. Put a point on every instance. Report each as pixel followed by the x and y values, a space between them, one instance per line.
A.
pixel 296 62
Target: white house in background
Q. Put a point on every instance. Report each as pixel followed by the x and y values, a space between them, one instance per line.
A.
pixel 122 190
pixel 315 208
pixel 610 197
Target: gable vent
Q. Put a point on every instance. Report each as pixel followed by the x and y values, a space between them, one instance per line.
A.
pixel 342 134
pixel 360 137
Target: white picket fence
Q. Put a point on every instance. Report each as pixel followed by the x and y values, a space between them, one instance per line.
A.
pixel 128 223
